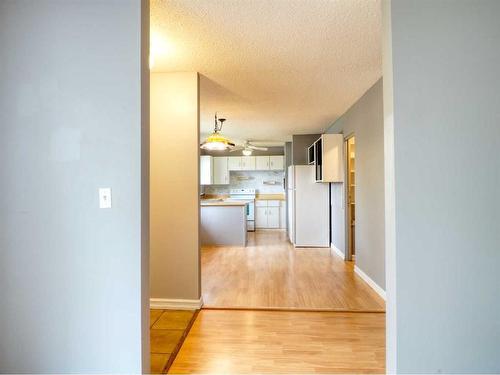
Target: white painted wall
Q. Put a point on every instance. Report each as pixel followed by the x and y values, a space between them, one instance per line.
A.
pixel 446 79
pixel 71 274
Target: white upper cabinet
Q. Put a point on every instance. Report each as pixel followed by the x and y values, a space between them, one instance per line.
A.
pixel 273 163
pixel 262 163
pixel 252 163
pixel 248 163
pixel 220 170
pixel 276 162
pixel 234 163
pixel 332 158
pixel 206 170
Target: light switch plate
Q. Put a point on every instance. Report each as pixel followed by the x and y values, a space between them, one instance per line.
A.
pixel 104 197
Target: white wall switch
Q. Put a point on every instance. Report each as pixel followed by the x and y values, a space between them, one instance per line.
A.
pixel 104 197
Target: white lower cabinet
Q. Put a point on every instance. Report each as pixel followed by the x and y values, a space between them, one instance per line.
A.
pixel 267 214
pixel 273 217
pixel 260 217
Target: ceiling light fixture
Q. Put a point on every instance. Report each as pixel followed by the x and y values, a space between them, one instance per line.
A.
pixel 247 152
pixel 216 141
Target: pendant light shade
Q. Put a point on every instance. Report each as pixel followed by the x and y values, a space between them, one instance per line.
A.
pixel 216 141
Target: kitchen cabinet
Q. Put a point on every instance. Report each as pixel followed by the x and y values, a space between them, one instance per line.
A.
pixel 267 214
pixel 234 163
pixel 261 217
pixel 262 163
pixel 273 217
pixel 241 163
pixel 220 170
pixel 248 163
pixel 327 155
pixel 276 162
pixel 273 163
pixel 206 170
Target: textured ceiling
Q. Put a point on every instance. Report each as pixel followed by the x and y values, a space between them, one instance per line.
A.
pixel 273 68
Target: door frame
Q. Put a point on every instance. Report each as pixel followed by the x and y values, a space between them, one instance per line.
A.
pixel 347 225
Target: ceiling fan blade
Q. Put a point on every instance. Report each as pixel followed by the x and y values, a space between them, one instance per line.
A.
pixel 257 148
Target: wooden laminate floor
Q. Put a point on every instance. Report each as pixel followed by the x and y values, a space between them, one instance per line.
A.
pixel 243 342
pixel 271 273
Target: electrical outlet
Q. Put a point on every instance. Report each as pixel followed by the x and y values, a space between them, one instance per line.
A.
pixel 104 197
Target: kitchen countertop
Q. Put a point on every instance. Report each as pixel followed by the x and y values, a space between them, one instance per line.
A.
pixel 270 197
pixel 222 202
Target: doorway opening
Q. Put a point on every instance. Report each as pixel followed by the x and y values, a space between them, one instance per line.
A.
pixel 350 195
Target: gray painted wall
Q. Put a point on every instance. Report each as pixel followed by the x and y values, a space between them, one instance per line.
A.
pixel 365 119
pixel 300 143
pixel 446 71
pixel 70 118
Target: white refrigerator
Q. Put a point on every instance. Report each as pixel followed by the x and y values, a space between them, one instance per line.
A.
pixel 308 208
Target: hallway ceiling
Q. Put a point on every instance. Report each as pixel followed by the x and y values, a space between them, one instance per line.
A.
pixel 272 68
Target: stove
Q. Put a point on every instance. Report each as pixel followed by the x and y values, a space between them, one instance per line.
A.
pixel 246 195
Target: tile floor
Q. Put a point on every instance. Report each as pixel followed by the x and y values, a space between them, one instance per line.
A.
pixel 168 328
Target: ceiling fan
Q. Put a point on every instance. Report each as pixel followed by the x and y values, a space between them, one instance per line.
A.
pixel 247 148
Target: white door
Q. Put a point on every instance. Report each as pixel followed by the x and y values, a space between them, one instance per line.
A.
pixel 248 163
pixel 205 170
pixel 273 217
pixel 262 163
pixel 260 217
pixel 221 173
pixel 234 163
pixel 276 162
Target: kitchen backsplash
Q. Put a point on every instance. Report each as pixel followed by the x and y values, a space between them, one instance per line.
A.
pixel 262 181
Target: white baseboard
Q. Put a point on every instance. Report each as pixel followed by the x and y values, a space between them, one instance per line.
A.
pixel 337 251
pixel 369 281
pixel 175 304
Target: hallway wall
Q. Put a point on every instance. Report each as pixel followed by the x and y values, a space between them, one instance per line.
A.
pixel 446 74
pixel 175 211
pixel 70 115
pixel 365 120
